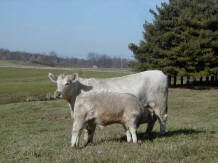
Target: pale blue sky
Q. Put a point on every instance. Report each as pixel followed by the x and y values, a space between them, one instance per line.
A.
pixel 73 28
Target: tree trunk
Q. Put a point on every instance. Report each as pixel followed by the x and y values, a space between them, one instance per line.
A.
pixel 188 80
pixel 174 80
pixel 207 79
pixel 169 80
pixel 194 81
pixel 181 80
pixel 201 79
pixel 212 79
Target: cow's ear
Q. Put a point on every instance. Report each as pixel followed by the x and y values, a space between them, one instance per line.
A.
pixel 52 77
pixel 75 76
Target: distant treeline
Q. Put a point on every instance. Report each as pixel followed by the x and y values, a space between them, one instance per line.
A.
pixel 51 59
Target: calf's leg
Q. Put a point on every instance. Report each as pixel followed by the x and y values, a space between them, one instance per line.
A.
pixel 128 135
pixel 131 126
pixel 77 126
pixel 133 133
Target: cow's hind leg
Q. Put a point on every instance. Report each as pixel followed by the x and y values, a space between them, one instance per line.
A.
pixel 162 120
pixel 150 126
pixel 159 113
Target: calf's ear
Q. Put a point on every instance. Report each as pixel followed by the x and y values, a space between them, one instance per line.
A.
pixel 52 77
pixel 75 76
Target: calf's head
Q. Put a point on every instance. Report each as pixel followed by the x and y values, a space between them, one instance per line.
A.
pixel 65 88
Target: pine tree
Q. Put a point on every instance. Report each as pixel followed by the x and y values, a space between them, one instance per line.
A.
pixel 182 39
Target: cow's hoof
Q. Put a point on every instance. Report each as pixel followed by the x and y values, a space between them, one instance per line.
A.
pixel 163 133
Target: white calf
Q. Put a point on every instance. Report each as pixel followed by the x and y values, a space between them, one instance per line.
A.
pixel 104 108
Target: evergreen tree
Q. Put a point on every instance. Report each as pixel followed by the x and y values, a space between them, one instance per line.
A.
pixel 182 39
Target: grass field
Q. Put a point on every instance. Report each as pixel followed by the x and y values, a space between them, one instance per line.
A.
pixel 40 131
pixel 22 84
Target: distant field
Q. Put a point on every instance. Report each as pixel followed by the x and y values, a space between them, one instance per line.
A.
pixel 21 84
pixel 40 131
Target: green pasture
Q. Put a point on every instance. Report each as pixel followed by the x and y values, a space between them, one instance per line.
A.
pixel 40 131
pixel 22 84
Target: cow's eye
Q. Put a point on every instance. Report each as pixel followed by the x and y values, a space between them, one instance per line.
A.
pixel 67 84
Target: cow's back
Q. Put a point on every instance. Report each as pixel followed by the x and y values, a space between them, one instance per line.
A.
pixel 154 88
pixel 147 86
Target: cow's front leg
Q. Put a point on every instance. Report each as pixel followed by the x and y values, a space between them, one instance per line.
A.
pixel 77 126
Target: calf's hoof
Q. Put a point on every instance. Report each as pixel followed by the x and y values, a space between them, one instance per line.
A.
pixel 73 146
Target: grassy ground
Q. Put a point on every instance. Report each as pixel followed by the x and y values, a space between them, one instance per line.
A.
pixel 22 84
pixel 40 131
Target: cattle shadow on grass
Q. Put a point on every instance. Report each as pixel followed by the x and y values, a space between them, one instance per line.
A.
pixel 155 135
pixel 141 136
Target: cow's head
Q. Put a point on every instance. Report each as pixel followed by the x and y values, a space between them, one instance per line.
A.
pixel 63 82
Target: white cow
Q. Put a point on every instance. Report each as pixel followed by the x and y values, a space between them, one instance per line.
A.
pixel 150 87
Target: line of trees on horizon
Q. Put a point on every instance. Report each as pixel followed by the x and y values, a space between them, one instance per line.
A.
pixel 93 60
